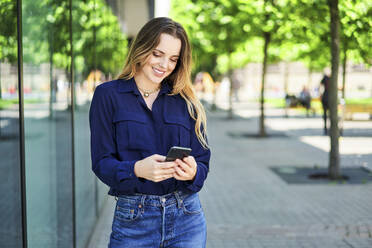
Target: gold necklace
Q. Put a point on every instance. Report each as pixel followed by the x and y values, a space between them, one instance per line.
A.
pixel 148 93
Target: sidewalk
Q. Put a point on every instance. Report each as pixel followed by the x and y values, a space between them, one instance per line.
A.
pixel 247 205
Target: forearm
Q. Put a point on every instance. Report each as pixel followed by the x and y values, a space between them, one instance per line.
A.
pixel 115 173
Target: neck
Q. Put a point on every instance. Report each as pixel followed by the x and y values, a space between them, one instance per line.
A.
pixel 145 84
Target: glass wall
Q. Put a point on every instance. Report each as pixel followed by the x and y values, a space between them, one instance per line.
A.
pixel 10 208
pixel 48 130
pixel 69 47
pixel 99 52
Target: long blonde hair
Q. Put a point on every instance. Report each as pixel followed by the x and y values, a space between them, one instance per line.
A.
pixel 145 42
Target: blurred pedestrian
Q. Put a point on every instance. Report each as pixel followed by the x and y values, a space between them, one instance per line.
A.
pixel 324 99
pixel 134 121
pixel 305 99
pixel 236 78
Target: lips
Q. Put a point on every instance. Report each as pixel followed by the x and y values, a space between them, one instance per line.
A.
pixel 157 72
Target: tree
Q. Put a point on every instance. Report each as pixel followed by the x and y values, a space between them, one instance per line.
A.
pixel 355 34
pixel 8 35
pixel 217 33
pixel 334 155
pixel 268 20
pixel 97 34
pixel 310 31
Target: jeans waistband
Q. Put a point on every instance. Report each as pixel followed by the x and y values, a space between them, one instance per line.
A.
pixel 158 200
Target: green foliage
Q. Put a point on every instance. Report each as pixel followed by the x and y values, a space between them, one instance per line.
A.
pixel 299 31
pixel 8 31
pixel 356 23
pixel 215 32
pixel 98 41
pixel 103 49
pixel 310 32
pixel 229 34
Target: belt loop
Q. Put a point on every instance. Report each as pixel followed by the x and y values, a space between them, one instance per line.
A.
pixel 178 198
pixel 143 198
pixel 116 198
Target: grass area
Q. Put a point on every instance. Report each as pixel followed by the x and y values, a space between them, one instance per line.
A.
pixel 280 102
pixel 275 102
pixel 316 103
pixel 364 101
pixel 6 103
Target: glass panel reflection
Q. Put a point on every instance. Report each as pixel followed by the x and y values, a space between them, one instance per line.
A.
pixel 99 53
pixel 47 122
pixel 10 204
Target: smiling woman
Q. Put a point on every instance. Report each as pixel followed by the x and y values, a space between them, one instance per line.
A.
pixel 134 121
pixel 160 63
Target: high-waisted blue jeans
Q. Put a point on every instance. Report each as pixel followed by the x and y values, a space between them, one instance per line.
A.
pixel 168 221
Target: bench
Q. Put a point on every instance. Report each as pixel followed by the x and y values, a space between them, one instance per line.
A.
pixel 349 109
pixel 293 102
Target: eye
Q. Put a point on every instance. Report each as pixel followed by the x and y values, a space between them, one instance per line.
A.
pixel 174 60
pixel 156 54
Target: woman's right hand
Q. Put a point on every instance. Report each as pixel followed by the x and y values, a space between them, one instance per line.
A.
pixel 154 168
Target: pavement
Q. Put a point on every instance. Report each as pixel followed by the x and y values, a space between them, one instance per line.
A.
pixel 247 205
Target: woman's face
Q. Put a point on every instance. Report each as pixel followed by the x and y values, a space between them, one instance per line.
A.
pixel 162 61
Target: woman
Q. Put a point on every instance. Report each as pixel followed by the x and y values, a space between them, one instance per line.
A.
pixel 324 99
pixel 134 121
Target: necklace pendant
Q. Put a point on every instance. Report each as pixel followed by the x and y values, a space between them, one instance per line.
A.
pixel 146 94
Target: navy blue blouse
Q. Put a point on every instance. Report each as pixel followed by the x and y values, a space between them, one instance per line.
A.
pixel 124 130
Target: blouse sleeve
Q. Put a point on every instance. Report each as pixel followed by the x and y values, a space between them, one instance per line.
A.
pixel 111 171
pixel 202 156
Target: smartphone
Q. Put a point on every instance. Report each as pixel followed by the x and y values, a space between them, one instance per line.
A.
pixel 177 152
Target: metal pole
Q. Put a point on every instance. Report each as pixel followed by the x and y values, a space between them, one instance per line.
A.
pixel 21 124
pixel 72 130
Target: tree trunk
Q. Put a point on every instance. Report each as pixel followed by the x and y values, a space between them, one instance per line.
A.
pixel 262 131
pixel 334 156
pixel 344 70
pixel 286 73
pixel 230 113
pixel 51 91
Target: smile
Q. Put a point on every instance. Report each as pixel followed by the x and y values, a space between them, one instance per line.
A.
pixel 158 73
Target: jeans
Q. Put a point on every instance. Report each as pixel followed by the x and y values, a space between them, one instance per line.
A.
pixel 174 220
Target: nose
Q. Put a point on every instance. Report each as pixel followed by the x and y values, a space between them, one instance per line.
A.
pixel 164 63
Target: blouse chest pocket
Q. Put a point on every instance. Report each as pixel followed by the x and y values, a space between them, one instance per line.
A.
pixel 177 131
pixel 131 131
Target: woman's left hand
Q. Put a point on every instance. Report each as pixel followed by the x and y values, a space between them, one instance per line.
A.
pixel 185 169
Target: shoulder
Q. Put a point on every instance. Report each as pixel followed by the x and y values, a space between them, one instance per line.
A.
pixel 109 89
pixel 108 86
pixel 105 93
